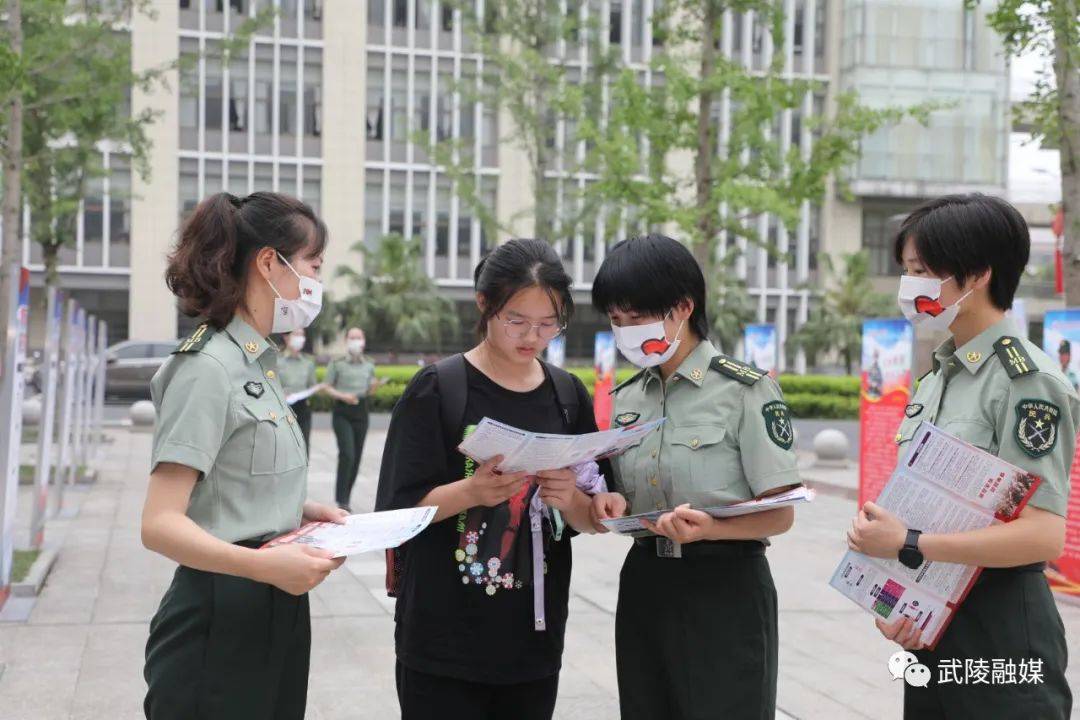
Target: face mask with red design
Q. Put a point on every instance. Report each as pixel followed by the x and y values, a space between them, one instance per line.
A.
pixel 646 345
pixel 920 301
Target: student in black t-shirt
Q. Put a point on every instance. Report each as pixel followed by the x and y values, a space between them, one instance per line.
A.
pixel 478 634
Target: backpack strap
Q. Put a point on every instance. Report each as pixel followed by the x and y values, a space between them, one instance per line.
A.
pixel 565 394
pixel 453 394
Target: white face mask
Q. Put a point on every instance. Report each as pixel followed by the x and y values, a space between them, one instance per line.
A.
pixel 919 300
pixel 296 343
pixel 297 314
pixel 355 347
pixel 646 345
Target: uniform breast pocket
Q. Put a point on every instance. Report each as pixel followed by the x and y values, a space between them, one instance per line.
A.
pixel 274 450
pixel 700 461
pixel 976 431
pixel 626 470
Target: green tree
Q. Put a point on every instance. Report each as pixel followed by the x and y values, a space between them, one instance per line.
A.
pixel 731 308
pixel 393 298
pixel 520 41
pixel 1051 29
pixel 835 323
pixel 662 150
pixel 65 79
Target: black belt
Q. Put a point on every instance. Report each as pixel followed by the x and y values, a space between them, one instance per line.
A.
pixel 253 543
pixel 711 548
pixel 1005 572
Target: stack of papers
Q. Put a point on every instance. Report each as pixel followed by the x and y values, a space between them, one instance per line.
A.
pixel 631 524
pixel 531 452
pixel 362 533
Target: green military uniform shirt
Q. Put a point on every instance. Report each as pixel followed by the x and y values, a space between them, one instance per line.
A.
pixel 221 410
pixel 353 376
pixel 296 372
pixel 727 436
pixel 1003 394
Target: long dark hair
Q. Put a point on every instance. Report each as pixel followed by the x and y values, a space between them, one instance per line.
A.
pixel 208 266
pixel 517 265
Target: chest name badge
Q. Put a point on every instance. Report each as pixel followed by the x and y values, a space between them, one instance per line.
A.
pixel 626 418
pixel 1037 426
pixel 778 423
pixel 913 409
pixel 254 389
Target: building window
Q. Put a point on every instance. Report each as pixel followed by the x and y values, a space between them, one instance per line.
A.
pixel 401 13
pixel 879 226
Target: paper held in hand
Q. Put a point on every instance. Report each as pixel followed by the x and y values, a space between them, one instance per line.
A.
pixel 631 524
pixel 362 533
pixel 941 485
pixel 296 397
pixel 532 452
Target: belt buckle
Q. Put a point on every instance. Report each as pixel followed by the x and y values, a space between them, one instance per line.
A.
pixel 668 548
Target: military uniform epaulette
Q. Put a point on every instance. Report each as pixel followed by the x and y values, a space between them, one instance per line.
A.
pixel 1014 357
pixel 197 340
pixel 626 382
pixel 746 374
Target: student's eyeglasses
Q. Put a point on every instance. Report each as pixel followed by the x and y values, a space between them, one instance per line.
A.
pixel 516 328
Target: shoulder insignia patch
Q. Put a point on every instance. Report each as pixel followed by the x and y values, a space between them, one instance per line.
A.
pixel 778 423
pixel 197 340
pixel 1037 426
pixel 913 409
pixel 746 374
pixel 626 418
pixel 1014 357
pixel 630 380
pixel 254 389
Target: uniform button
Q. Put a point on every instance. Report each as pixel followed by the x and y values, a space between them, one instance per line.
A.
pixel 652 481
pixel 652 454
pixel 271 374
pixel 898 436
pixel 659 506
pixel 694 443
pixel 273 415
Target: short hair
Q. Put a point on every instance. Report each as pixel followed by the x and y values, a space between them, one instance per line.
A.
pixel 651 274
pixel 966 235
pixel 1065 347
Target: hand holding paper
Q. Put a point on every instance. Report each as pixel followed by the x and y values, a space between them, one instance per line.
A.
pixel 361 533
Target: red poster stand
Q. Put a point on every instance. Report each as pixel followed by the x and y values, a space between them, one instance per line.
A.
pixel 1064 573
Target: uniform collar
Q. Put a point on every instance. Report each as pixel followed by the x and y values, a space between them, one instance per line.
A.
pixel 694 367
pixel 974 352
pixel 250 341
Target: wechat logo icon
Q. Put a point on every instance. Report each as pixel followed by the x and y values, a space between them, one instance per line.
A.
pixel 904 664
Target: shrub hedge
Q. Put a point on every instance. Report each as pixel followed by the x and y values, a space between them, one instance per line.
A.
pixel 809 396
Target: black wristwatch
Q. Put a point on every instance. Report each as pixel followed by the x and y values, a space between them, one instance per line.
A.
pixel 910 556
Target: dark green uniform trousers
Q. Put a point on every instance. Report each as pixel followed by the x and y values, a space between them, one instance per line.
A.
pixel 350 428
pixel 696 636
pixel 303 419
pixel 228 648
pixel 1009 615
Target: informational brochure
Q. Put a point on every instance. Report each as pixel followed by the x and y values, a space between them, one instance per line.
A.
pixel 362 533
pixel 525 451
pixel 296 397
pixel 631 524
pixel 941 485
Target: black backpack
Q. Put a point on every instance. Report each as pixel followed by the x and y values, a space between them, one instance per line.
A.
pixel 453 396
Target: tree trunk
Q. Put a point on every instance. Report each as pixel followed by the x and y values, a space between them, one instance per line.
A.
pixel 706 134
pixel 11 254
pixel 1067 72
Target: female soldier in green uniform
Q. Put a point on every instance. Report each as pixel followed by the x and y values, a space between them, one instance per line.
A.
pixel 349 380
pixel 228 471
pixel 297 372
pixel 963 256
pixel 695 628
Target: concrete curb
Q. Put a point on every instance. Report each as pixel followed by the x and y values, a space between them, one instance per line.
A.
pixel 31 586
